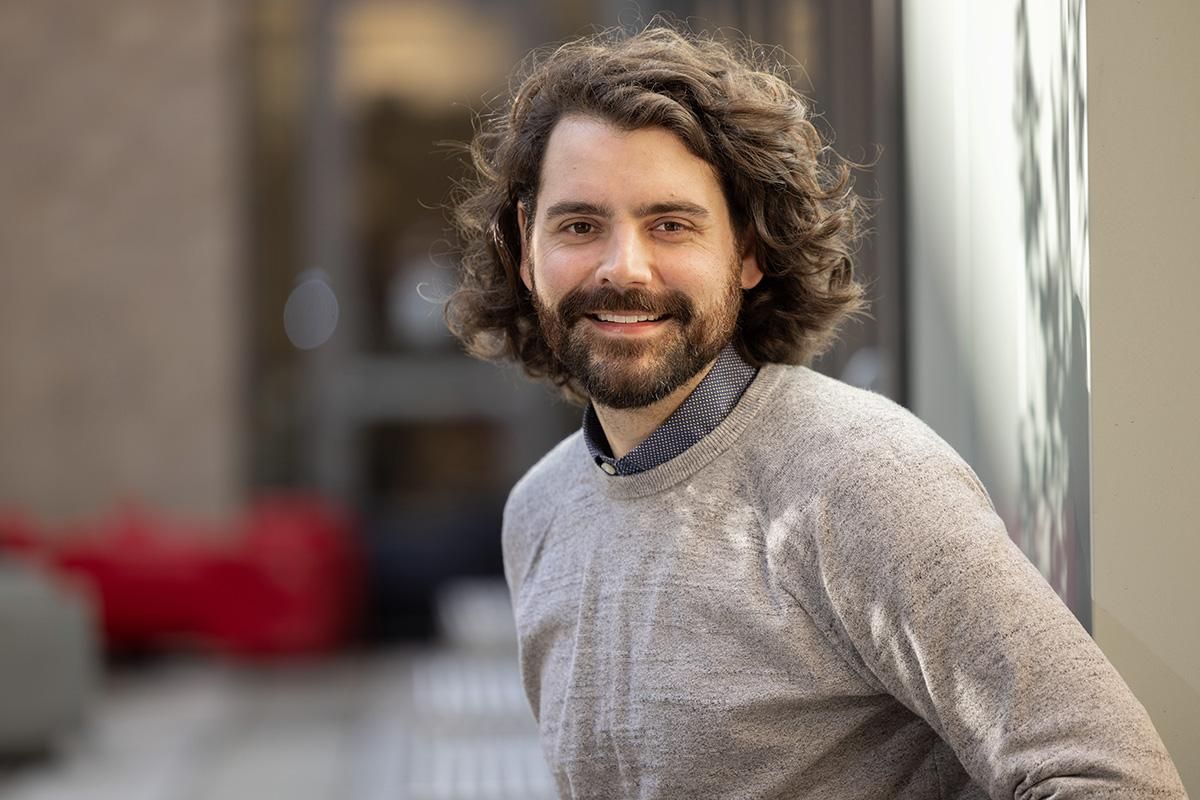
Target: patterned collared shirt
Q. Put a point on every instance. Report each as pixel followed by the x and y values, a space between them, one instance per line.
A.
pixel 696 417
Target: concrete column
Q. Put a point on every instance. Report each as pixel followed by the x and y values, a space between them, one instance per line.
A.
pixel 121 322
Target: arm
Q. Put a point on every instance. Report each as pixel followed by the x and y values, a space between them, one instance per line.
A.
pixel 923 584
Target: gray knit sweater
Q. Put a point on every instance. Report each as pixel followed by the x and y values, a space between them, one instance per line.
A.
pixel 816 600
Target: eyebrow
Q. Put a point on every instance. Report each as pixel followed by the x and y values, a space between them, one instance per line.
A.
pixel 671 207
pixel 567 207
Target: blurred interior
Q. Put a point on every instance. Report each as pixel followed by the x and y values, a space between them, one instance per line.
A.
pixel 256 512
pixel 354 112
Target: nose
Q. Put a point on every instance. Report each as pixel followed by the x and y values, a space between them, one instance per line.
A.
pixel 628 262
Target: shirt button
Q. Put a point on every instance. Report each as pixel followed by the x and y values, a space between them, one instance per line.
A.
pixel 609 468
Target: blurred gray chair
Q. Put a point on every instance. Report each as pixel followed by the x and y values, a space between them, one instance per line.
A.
pixel 49 659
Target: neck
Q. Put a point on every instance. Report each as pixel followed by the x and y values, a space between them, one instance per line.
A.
pixel 626 428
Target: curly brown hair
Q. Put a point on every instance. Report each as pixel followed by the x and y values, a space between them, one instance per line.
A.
pixel 732 107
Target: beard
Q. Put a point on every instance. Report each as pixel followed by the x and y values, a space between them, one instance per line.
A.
pixel 634 372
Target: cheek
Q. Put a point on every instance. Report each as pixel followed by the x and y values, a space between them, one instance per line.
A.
pixel 706 284
pixel 558 272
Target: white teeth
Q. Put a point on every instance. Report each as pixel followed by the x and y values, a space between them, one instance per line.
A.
pixel 623 318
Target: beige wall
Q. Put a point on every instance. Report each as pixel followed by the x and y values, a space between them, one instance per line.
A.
pixel 1144 141
pixel 120 316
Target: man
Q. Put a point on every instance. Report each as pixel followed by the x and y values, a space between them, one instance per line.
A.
pixel 742 578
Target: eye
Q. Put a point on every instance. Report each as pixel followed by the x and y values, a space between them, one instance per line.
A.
pixel 671 226
pixel 580 228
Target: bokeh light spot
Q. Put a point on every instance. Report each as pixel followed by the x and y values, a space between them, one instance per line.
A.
pixel 311 314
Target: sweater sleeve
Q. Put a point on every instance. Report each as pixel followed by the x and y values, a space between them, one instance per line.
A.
pixel 921 582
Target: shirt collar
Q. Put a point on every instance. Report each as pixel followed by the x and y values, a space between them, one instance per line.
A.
pixel 697 416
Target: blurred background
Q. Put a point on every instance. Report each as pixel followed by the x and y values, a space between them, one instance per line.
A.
pixel 250 488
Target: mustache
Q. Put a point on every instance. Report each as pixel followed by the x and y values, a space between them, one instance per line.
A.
pixel 580 302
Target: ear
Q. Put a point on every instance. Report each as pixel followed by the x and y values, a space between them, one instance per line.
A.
pixel 751 271
pixel 522 221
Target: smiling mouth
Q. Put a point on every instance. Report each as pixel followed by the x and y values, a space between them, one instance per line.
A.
pixel 627 319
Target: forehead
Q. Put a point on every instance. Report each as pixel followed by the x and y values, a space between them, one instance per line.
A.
pixel 588 159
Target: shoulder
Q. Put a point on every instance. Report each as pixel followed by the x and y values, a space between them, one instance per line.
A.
pixel 546 480
pixel 839 438
pixel 871 496
pixel 535 500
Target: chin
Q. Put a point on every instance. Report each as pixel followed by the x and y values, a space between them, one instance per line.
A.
pixel 630 386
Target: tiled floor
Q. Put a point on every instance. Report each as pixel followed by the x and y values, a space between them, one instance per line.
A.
pixel 425 724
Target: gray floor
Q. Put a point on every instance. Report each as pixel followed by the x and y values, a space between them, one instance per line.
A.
pixel 448 722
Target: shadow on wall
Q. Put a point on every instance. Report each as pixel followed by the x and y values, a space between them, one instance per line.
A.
pixel 1055 505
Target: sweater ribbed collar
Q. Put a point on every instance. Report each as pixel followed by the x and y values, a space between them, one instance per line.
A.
pixel 699 455
pixel 696 417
